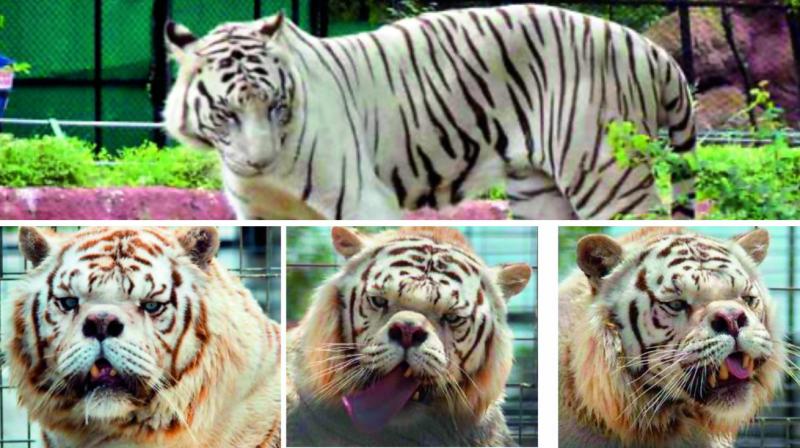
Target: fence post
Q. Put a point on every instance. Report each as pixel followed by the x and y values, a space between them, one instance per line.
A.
pixel 793 18
pixel 97 81
pixel 324 18
pixel 296 12
pixel 161 74
pixel 256 9
pixel 687 58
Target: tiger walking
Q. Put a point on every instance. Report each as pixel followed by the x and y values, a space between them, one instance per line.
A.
pixel 426 112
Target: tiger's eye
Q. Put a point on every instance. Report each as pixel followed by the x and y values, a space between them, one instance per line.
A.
pixel 750 300
pixel 379 301
pixel 68 303
pixel 452 318
pixel 678 305
pixel 152 307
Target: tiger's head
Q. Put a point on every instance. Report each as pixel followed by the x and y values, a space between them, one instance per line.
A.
pixel 414 321
pixel 235 91
pixel 108 330
pixel 688 327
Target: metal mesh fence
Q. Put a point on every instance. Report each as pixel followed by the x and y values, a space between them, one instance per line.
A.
pixel 778 425
pixel 252 253
pixel 106 59
pixel 310 259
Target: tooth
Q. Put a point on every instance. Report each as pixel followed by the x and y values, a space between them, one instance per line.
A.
pixel 712 380
pixel 416 396
pixel 746 360
pixel 723 372
pixel 408 373
pixel 95 372
pixel 113 372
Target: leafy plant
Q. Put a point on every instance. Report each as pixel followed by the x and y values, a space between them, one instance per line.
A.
pixel 770 120
pixel 46 161
pixel 71 162
pixel 148 165
pixel 730 181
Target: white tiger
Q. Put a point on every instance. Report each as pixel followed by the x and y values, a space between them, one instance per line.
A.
pixel 427 111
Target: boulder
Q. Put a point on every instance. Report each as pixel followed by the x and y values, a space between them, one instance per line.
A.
pixel 762 37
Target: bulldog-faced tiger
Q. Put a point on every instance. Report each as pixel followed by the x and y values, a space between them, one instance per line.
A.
pixel 407 345
pixel 139 337
pixel 667 338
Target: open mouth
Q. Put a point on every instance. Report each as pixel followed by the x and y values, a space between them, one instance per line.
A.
pixel 103 375
pixel 370 409
pixel 727 383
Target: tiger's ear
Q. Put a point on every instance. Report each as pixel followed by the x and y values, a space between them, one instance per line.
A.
pixel 35 244
pixel 347 242
pixel 755 243
pixel 179 39
pixel 512 278
pixel 598 255
pixel 271 26
pixel 200 243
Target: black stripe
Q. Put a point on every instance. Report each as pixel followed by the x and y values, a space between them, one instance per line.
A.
pixel 343 181
pixel 309 171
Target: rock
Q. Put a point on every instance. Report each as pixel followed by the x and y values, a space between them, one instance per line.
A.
pixel 48 203
pixel 163 203
pixel 762 37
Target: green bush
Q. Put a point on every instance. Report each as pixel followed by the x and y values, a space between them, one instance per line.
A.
pixel 46 161
pixel 730 181
pixel 179 167
pixel 70 162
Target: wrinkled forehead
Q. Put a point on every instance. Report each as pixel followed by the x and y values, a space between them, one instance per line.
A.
pixel 119 262
pixel 421 271
pixel 697 268
pixel 226 38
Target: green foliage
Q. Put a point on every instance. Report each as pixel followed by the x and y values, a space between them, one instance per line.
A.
pixel 45 161
pixel 410 8
pixel 769 119
pixel 70 162
pixel 730 181
pixel 749 183
pixel 179 167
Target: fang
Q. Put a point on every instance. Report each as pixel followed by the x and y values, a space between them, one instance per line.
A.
pixel 712 380
pixel 407 373
pixel 723 372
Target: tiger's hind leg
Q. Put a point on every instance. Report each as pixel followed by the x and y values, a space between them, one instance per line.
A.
pixel 536 196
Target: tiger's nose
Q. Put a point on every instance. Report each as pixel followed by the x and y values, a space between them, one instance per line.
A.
pixel 407 334
pixel 102 325
pixel 729 321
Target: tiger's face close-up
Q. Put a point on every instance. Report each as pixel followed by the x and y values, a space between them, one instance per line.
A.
pixel 413 322
pixel 234 92
pixel 696 328
pixel 114 337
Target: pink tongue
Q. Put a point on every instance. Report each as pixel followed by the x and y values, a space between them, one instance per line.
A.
pixel 372 408
pixel 736 368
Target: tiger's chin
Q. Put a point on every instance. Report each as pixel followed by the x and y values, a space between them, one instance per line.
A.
pixel 107 394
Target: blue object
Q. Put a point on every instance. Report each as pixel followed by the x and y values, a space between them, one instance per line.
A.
pixel 6 82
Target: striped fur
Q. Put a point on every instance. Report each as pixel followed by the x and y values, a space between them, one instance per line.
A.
pixel 427 112
pixel 427 276
pixel 200 369
pixel 641 347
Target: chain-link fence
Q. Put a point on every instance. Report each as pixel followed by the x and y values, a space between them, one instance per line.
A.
pixel 252 253
pixel 778 425
pixel 106 60
pixel 310 259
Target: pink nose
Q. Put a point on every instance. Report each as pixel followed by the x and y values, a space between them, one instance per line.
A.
pixel 407 334
pixel 729 321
